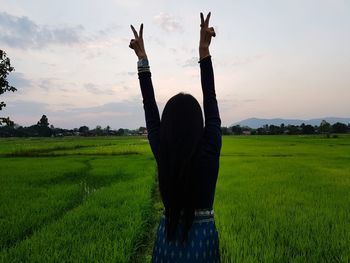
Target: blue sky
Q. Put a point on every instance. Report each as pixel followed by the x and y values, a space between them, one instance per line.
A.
pixel 287 59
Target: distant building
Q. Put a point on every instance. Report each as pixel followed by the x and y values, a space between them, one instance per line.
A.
pixel 142 131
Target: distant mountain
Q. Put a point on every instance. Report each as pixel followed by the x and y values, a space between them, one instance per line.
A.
pixel 257 123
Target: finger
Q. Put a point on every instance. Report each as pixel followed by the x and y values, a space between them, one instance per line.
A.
pixel 131 45
pixel 134 31
pixel 206 22
pixel 141 31
pixel 212 31
pixel 202 19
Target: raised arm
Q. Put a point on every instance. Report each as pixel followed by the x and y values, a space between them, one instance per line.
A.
pixel 212 132
pixel 149 102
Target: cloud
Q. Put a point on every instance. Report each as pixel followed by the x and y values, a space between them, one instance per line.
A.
pixel 47 83
pixel 240 61
pixel 22 32
pixel 121 107
pixel 126 114
pixel 192 62
pixel 28 108
pixel 19 81
pixel 25 84
pixel 94 89
pixel 167 22
pixel 157 40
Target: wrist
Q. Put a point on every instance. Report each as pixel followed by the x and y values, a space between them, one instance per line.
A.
pixel 203 52
pixel 142 56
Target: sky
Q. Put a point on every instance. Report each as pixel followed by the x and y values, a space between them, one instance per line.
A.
pixel 272 59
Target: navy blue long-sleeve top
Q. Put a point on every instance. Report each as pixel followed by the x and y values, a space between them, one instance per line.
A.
pixel 206 162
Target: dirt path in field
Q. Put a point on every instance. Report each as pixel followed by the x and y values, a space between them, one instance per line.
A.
pixel 144 249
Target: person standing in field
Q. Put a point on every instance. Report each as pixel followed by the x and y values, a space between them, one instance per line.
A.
pixel 187 156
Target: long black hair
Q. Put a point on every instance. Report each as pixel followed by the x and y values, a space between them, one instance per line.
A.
pixel 181 130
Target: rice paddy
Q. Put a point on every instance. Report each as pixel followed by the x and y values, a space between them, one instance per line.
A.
pixel 278 199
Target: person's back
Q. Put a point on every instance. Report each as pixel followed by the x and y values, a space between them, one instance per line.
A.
pixel 187 156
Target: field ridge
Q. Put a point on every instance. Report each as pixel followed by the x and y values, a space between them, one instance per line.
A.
pixel 144 245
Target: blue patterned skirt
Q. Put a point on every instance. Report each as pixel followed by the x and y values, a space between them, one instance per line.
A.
pixel 202 244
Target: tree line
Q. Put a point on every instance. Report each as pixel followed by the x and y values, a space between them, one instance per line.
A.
pixel 44 129
pixel 323 128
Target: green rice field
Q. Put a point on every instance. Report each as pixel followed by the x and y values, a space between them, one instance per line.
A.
pixel 278 199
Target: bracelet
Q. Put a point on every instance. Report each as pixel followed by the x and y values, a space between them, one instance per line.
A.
pixel 143 69
pixel 143 65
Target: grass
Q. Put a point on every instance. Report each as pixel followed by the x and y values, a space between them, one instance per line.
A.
pixel 278 199
pixel 79 206
pixel 284 199
pixel 105 228
pixel 33 193
pixel 27 147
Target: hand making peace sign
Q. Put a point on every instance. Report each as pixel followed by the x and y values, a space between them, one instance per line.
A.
pixel 137 43
pixel 206 34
